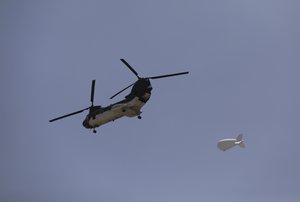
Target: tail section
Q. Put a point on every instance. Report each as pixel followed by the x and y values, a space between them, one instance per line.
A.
pixel 242 144
pixel 240 140
pixel 239 137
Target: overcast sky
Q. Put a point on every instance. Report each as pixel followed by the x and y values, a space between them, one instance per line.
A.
pixel 243 58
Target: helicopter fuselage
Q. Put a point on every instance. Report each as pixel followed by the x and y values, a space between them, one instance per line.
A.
pixel 131 106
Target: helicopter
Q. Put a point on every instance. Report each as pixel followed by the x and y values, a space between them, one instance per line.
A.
pixel 130 106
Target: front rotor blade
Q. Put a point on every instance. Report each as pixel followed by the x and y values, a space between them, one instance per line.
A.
pixel 92 92
pixel 131 68
pixel 61 117
pixel 167 75
pixel 121 91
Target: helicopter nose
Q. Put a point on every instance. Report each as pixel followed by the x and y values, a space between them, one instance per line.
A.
pixel 85 123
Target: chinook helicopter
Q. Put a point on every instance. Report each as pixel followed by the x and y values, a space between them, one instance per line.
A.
pixel 130 106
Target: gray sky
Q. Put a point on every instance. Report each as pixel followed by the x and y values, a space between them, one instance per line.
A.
pixel 243 58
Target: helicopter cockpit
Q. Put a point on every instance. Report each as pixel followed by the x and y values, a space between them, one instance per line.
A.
pixel 94 110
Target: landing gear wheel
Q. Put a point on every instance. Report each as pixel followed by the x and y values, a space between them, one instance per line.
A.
pixel 139 117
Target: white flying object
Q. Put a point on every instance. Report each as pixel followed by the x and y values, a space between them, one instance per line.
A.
pixel 226 144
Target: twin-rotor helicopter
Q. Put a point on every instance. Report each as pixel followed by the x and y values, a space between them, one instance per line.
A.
pixel 130 106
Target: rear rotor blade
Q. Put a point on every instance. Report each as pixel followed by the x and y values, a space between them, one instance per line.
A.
pixel 61 117
pixel 131 68
pixel 167 75
pixel 92 92
pixel 122 91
